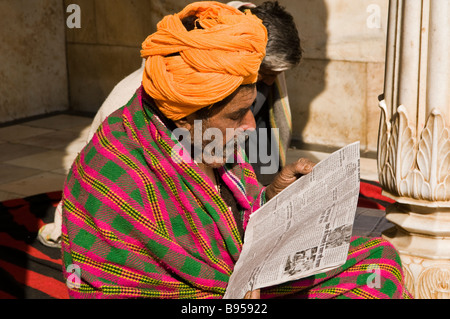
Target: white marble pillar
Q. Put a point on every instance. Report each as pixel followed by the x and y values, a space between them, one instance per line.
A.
pixel 414 142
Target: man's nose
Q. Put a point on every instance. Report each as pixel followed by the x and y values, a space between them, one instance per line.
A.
pixel 248 122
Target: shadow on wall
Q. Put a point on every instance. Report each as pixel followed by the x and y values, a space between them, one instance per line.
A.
pixel 307 81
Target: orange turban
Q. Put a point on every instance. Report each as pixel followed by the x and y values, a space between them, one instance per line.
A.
pixel 189 70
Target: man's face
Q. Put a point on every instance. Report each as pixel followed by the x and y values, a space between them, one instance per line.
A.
pixel 225 120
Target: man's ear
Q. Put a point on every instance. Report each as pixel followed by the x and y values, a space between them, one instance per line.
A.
pixel 185 122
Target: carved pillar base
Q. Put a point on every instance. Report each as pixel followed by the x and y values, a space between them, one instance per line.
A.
pixel 422 237
pixel 426 278
pixel 414 170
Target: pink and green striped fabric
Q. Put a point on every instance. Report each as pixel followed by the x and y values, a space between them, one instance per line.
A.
pixel 372 271
pixel 140 222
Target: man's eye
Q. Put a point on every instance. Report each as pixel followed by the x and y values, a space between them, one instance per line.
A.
pixel 239 115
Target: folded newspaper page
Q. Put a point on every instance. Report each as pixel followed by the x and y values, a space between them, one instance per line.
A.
pixel 302 231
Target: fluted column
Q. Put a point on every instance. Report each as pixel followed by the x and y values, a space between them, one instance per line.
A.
pixel 414 142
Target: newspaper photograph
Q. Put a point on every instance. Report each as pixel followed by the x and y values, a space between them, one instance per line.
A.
pixel 302 231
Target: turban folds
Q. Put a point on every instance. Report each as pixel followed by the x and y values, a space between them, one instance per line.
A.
pixel 188 70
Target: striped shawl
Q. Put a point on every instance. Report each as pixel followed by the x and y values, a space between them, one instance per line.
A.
pixel 137 223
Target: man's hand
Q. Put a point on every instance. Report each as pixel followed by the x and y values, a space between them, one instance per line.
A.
pixel 289 174
pixel 255 294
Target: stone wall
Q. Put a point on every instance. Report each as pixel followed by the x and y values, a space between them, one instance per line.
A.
pixel 33 73
pixel 338 82
pixel 107 46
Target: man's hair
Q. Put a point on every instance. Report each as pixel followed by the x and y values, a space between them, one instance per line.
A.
pixel 283 49
pixel 191 23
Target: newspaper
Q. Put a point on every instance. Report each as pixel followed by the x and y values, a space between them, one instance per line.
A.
pixel 302 231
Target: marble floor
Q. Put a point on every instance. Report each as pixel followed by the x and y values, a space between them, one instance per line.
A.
pixel 35 156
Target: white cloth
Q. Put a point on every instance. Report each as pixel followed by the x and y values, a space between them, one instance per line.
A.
pixel 50 234
pixel 119 96
pixel 238 4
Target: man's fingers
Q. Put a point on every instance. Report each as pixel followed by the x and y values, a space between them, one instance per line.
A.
pixel 304 166
pixel 255 294
pixel 289 174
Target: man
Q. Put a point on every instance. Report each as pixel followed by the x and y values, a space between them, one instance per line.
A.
pixel 139 222
pixel 271 107
pixel 141 219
